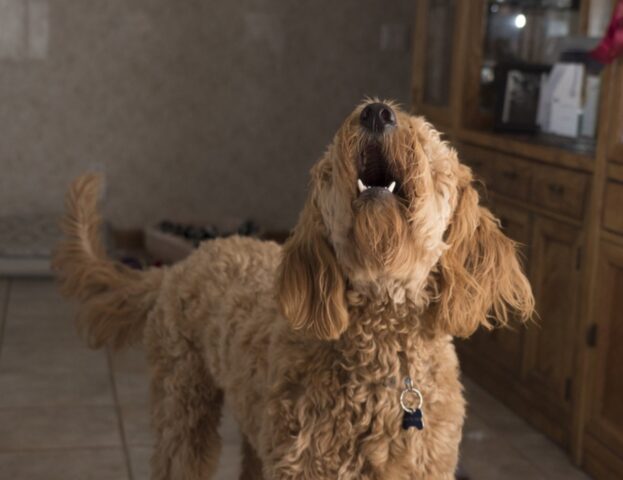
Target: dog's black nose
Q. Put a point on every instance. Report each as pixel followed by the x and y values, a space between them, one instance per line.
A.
pixel 376 117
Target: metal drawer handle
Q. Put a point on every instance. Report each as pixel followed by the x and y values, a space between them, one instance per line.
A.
pixel 556 189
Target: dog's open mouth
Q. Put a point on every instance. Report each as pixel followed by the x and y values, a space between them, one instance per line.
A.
pixel 374 174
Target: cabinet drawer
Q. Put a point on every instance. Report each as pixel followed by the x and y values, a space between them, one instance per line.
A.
pixel 613 207
pixel 501 173
pixel 560 190
pixel 512 177
pixel 515 222
pixel 479 161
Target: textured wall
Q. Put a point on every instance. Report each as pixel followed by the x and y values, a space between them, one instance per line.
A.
pixel 194 109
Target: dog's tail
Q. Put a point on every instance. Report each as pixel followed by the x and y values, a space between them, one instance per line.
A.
pixel 114 299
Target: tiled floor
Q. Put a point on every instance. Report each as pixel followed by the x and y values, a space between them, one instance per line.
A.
pixel 70 413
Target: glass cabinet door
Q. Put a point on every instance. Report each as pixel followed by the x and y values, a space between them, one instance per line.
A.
pixel 616 112
pixel 523 31
pixel 514 48
pixel 439 52
pixel 434 56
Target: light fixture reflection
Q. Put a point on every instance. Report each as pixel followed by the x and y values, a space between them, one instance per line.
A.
pixel 520 20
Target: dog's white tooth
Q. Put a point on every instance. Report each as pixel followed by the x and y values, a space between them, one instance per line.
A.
pixel 360 185
pixel 391 187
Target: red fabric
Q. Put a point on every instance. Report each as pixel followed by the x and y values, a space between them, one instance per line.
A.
pixel 611 46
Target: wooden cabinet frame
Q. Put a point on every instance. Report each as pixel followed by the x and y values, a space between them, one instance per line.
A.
pixel 615 143
pixel 590 443
pixel 444 117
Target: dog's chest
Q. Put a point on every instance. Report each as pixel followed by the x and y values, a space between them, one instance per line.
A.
pixel 344 416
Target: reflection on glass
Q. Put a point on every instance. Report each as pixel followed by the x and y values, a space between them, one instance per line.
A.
pixel 524 31
pixel 438 61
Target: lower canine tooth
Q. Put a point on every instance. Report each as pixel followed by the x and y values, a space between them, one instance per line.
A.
pixel 360 185
pixel 391 187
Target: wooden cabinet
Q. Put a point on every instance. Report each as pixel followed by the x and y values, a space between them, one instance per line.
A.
pixel 604 432
pixel 560 197
pixel 549 347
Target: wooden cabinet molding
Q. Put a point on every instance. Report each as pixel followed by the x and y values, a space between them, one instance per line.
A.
pixel 605 418
pixel 615 151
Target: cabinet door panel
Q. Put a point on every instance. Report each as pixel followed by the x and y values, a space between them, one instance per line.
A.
pixel 611 213
pixel 555 279
pixel 606 418
pixel 504 345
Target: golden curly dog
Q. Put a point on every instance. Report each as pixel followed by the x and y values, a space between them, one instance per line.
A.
pixel 310 344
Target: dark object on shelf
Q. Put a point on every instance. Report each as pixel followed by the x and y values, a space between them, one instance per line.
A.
pixel 193 233
pixel 517 88
pixel 198 233
pixel 249 228
pixel 132 262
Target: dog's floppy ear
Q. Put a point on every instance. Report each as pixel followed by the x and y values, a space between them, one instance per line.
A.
pixel 311 285
pixel 481 275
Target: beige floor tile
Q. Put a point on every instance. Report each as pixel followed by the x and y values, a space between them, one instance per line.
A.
pixel 546 456
pixel 58 427
pixel 29 288
pixel 53 375
pixel 131 376
pixel 228 468
pixel 40 389
pixel 130 360
pixel 493 412
pixel 229 462
pixel 43 362
pixel 230 433
pixel 476 429
pixel 40 321
pixel 53 359
pixel 136 425
pixel 78 464
pixel 36 296
pixel 40 331
pixel 140 457
pixel 490 459
pixel 132 388
pixel 498 444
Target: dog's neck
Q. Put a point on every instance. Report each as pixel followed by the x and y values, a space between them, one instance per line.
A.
pixel 410 295
pixel 383 339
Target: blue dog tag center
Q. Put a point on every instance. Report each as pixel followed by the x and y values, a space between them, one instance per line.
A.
pixel 413 420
